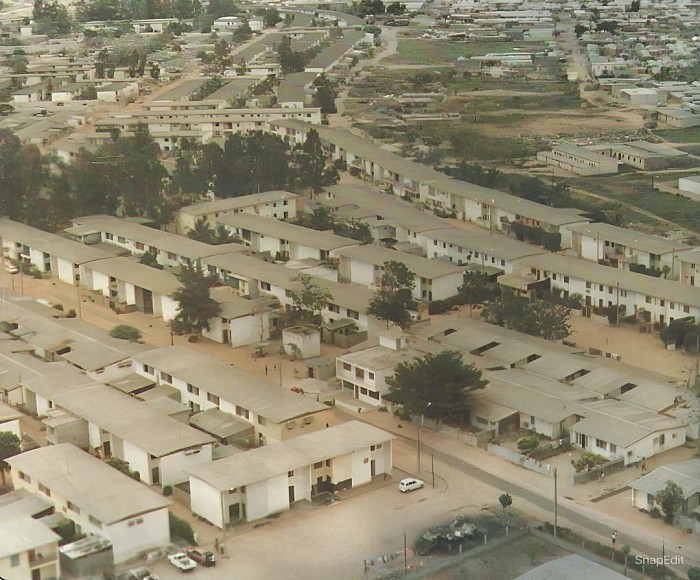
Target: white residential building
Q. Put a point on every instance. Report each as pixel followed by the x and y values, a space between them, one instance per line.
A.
pixel 28 549
pixel 99 499
pixel 255 484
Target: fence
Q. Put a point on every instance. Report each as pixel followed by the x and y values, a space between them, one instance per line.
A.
pixel 471 438
pixel 519 459
pixel 596 472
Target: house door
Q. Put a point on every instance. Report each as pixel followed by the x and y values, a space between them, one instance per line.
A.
pixel 291 494
pixel 582 440
pixel 226 336
pixel 373 468
pixel 147 301
pixel 357 392
pixel 107 449
pixel 155 475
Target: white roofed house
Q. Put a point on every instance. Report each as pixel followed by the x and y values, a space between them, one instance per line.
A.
pixel 49 253
pixel 28 549
pixel 241 321
pixel 619 430
pixel 251 485
pixel 434 279
pixel 99 499
pixel 284 240
pixel 270 204
pixel 127 285
pixel 686 474
pixel 625 249
pixel 206 382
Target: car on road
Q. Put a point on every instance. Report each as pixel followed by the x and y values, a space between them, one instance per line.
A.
pixel 202 557
pixel 410 484
pixel 182 561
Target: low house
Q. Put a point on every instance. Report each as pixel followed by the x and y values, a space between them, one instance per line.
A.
pixel 690 266
pixel 127 285
pixel 255 484
pixel 49 253
pixel 578 160
pixel 241 321
pixel 619 430
pixel 269 204
pixel 641 154
pixel 284 241
pixel 276 413
pixel 28 549
pixel 100 500
pixel 434 279
pixel 686 474
pixel 690 184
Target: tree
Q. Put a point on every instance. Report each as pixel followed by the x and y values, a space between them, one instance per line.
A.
pixel 694 573
pixel 123 466
pixel 150 260
pixel 194 298
pixel 441 380
pixel 201 232
pixel 635 6
pixel 51 18
pixel 539 318
pixel 506 501
pixel 9 446
pixel 669 500
pixel 391 301
pixel 477 289
pixel 311 299
pixel 242 33
pixel 126 332
pixel 551 320
pixel 22 177
pixel 271 17
pixel 579 30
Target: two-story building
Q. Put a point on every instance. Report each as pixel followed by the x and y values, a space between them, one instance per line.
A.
pixel 255 484
pixel 100 500
pixel 28 549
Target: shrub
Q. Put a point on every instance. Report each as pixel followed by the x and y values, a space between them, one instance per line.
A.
pixel 655 513
pixel 181 529
pixel 168 490
pixel 58 307
pixel 71 313
pixel 125 332
pixel 528 443
pixel 192 338
pixel 587 461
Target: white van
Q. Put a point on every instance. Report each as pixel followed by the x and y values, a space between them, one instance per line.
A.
pixel 410 484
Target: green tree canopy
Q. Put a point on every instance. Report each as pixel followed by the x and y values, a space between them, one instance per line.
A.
pixel 9 446
pixel 126 332
pixel 312 298
pixel 669 500
pixel 194 298
pixel 441 381
pixel 391 300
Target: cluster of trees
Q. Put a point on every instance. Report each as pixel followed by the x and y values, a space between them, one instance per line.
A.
pixel 326 92
pixel 292 61
pixel 110 10
pixel 197 306
pixel 683 333
pixel 51 18
pixel 9 447
pixel 309 301
pixel 23 171
pixel 439 386
pixel 203 232
pixel 546 320
pixel 535 189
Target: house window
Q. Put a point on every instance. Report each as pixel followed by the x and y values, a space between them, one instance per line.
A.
pixel 232 490
pixel 647 299
pixel 334 308
pixel 166 377
pixel 290 473
pixel 662 303
pixel 172 256
pixel 121 239
pixel 148 370
pixel 14 560
pixel 347 366
pixel 318 465
pixel 24 477
pixel 359 374
pixel 45 490
pixel 262 421
pixel 566 279
pixel 686 309
pixel 94 521
pixel 139 246
pixel 212 398
pixel 265 286
pixel 353 314
pixel 613 448
pixel 662 439
pixel 192 389
pixel 109 237
pixel 371 376
pixel 601 444
pixel 242 412
pixel 74 508
pixel 588 285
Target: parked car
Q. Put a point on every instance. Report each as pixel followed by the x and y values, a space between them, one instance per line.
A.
pixel 142 574
pixel 182 561
pixel 410 484
pixel 204 558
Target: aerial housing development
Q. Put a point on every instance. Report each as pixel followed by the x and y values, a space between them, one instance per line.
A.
pixel 359 290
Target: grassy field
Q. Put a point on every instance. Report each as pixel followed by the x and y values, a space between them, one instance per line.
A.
pixel 689 135
pixel 416 51
pixel 636 190
pixel 530 103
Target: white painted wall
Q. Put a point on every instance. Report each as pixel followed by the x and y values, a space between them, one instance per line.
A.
pixel 11 426
pixel 136 536
pixel 66 272
pixel 174 466
pixel 206 501
pixel 267 497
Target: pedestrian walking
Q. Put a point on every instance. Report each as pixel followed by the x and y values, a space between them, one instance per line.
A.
pixel 614 537
pixel 644 465
pixel 265 370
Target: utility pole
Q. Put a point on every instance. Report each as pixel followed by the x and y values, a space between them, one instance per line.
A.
pixel 418 432
pixel 555 502
pixel 617 314
pixel 80 309
pixel 405 556
pixel 432 466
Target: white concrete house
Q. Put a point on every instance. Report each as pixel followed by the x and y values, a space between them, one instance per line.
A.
pixel 622 247
pixel 9 420
pixel 276 413
pixel 284 240
pixel 615 429
pixel 255 484
pixel 241 321
pixel 28 549
pixel 690 267
pixel 649 299
pixel 100 500
pixel 434 279
pixel 51 254
pixel 128 285
pixel 269 204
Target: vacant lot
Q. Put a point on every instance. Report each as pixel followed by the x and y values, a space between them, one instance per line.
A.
pixel 690 135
